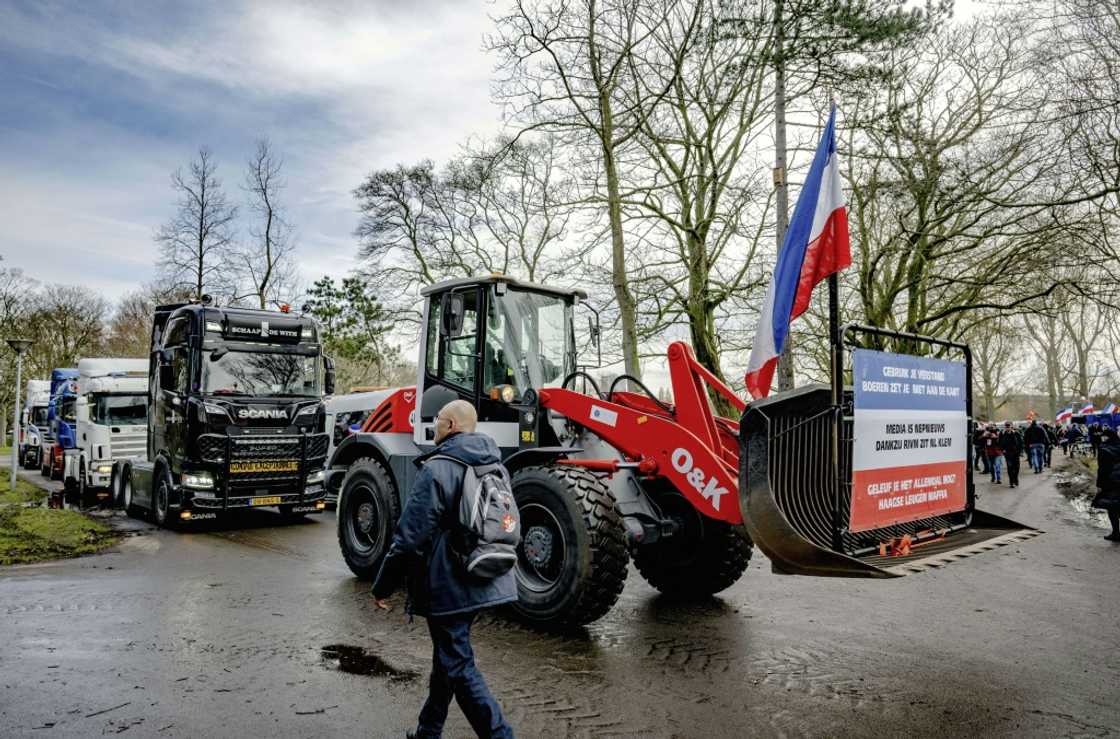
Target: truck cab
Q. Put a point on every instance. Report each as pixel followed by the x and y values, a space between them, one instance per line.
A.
pixel 111 410
pixel 235 415
pixel 61 417
pixel 33 423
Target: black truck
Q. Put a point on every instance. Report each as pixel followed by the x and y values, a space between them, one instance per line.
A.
pixel 235 415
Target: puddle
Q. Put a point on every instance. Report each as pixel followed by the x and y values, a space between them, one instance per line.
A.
pixel 357 661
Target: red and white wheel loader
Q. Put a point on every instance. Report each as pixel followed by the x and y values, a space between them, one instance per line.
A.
pixel 603 476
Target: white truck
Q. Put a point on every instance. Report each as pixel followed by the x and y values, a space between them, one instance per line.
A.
pixel 34 435
pixel 112 416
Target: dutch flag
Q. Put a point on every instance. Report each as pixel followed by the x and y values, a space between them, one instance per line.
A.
pixel 1086 410
pixel 815 246
pixel 1111 408
pixel 1065 415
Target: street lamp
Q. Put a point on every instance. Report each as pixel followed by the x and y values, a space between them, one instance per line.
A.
pixel 20 347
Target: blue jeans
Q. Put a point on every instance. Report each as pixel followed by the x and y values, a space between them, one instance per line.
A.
pixel 454 675
pixel 1037 453
pixel 997 466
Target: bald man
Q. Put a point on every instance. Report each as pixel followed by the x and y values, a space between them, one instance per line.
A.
pixel 438 588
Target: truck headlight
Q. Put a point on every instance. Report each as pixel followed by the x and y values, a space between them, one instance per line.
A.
pixel 104 469
pixel 215 410
pixel 198 480
pixel 504 393
pixel 315 477
pixel 306 411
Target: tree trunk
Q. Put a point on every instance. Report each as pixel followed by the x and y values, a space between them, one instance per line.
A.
pixel 620 280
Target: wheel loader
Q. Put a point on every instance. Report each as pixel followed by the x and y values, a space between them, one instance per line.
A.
pixel 608 475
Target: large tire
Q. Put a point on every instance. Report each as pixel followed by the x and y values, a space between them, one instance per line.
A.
pixel 572 560
pixel 368 509
pixel 702 558
pixel 115 487
pixel 130 508
pixel 161 503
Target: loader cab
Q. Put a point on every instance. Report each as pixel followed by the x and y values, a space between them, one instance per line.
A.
pixel 488 341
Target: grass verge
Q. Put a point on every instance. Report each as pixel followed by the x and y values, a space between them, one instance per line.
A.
pixel 25 492
pixel 34 534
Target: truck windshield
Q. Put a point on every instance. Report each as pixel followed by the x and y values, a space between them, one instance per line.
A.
pixel 38 416
pixel 261 373
pixel 118 410
pixel 529 341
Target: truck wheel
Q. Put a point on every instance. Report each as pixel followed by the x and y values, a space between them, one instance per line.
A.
pixel 115 487
pixel 368 509
pixel 126 497
pixel 702 558
pixel 83 489
pixel 161 504
pixel 571 563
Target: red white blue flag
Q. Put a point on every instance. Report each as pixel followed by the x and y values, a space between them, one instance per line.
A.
pixel 1111 408
pixel 1065 415
pixel 815 246
pixel 1086 409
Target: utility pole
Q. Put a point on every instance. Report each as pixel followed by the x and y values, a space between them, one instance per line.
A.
pixel 20 347
pixel 781 182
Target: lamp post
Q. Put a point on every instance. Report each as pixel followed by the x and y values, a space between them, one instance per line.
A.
pixel 20 347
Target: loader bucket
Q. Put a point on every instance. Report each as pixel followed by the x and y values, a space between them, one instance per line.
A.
pixel 796 509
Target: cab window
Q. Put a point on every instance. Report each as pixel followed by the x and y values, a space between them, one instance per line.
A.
pixel 456 354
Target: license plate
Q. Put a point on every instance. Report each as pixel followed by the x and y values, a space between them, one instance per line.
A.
pixel 244 468
pixel 270 500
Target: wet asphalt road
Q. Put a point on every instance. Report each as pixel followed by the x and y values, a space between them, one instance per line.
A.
pixel 220 632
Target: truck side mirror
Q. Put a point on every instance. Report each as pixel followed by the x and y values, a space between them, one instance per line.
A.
pixel 81 410
pixel 328 375
pixel 452 309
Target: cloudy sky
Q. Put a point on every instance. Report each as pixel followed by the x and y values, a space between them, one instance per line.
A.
pixel 103 100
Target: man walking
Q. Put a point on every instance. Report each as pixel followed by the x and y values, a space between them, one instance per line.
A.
pixel 1035 439
pixel 439 588
pixel 1051 441
pixel 1012 445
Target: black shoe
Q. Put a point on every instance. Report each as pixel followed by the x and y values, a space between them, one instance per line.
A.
pixel 1113 536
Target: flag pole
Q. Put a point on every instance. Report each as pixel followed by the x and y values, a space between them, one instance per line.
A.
pixel 837 394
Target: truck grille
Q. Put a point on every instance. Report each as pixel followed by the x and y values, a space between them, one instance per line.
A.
pixel 128 447
pixel 264 465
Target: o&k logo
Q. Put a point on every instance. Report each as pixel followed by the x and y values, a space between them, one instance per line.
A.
pixel 681 460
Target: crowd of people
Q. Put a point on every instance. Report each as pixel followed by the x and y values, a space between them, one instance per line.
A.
pixel 999 448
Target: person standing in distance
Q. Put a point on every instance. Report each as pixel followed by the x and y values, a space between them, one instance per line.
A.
pixel 1108 480
pixel 439 588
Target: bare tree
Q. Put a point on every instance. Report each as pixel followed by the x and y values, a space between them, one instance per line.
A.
pixel 571 68
pixel 70 322
pixel 701 187
pixel 956 187
pixel 266 262
pixel 504 207
pixel 196 243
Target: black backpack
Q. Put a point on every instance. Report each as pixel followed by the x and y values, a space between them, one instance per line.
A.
pixel 489 522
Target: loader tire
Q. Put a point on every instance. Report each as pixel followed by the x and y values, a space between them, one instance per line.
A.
pixel 368 509
pixel 704 557
pixel 572 560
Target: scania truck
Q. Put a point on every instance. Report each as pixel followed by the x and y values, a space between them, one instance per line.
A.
pixel 110 409
pixel 235 416
pixel 61 415
pixel 33 422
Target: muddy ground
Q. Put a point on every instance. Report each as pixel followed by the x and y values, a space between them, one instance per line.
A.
pixel 242 632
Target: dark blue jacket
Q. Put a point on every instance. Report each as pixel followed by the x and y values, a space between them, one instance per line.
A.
pixel 437 583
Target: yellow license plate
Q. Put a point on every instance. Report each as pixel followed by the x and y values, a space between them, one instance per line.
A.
pixel 270 500
pixel 283 465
